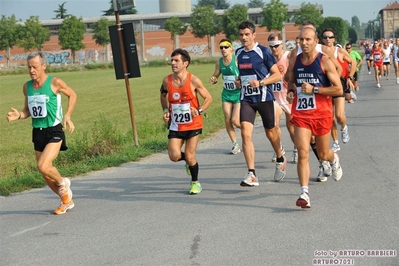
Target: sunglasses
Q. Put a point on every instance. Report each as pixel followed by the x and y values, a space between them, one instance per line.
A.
pixel 348 48
pixel 328 37
pixel 224 47
pixel 274 46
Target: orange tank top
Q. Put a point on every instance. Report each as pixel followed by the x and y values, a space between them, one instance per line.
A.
pixel 181 100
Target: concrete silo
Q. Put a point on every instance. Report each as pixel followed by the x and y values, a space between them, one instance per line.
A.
pixel 174 6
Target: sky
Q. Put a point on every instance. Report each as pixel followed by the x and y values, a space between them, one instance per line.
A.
pixel 365 10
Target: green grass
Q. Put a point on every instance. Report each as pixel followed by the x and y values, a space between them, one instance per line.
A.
pixel 103 135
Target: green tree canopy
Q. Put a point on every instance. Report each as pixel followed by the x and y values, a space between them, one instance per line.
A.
pixel 33 34
pixel 339 26
pixel 71 34
pixel 101 32
pixel 176 27
pixel 205 23
pixel 111 10
pixel 355 23
pixel 232 18
pixel 308 12
pixel 61 12
pixel 274 15
pixel 9 30
pixel 216 4
pixel 255 4
pixel 352 35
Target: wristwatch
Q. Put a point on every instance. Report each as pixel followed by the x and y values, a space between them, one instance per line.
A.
pixel 200 111
pixel 351 78
pixel 315 90
pixel 261 83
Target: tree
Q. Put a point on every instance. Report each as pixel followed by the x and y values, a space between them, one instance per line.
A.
pixel 308 12
pixel 61 12
pixel 101 32
pixel 8 34
pixel 33 35
pixel 216 4
pixel 204 23
pixel 231 20
pixel 111 10
pixel 70 34
pixel 352 35
pixel 255 4
pixel 274 15
pixel 339 26
pixel 355 23
pixel 176 27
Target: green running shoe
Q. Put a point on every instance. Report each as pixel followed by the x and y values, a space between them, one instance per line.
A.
pixel 188 169
pixel 195 188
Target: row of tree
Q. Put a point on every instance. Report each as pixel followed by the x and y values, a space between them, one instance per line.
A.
pixel 204 23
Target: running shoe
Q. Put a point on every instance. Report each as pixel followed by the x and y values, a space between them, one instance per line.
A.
pixel 351 101
pixel 250 180
pixel 195 188
pixel 327 171
pixel 335 147
pixel 188 169
pixel 281 170
pixel 336 168
pixel 64 207
pixel 397 80
pixel 274 158
pixel 353 95
pixel 303 201
pixel 369 72
pixel 321 177
pixel 378 85
pixel 295 156
pixel 236 149
pixel 65 192
pixel 345 135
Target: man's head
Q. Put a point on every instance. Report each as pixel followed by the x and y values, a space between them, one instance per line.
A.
pixel 348 47
pixel 328 37
pixel 308 40
pixel 275 42
pixel 180 59
pixel 37 63
pixel 226 47
pixel 246 32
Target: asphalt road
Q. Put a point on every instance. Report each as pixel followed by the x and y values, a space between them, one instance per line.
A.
pixel 141 214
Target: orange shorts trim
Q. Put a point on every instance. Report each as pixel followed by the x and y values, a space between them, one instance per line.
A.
pixel 319 127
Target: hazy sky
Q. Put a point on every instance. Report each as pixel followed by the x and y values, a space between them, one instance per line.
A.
pixel 365 10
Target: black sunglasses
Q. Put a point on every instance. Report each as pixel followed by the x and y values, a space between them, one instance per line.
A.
pixel 224 47
pixel 274 46
pixel 347 48
pixel 328 37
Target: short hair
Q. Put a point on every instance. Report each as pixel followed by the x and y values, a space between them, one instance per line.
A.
pixel 328 29
pixel 226 40
pixel 274 35
pixel 348 44
pixel 247 25
pixel 307 24
pixel 185 57
pixel 42 56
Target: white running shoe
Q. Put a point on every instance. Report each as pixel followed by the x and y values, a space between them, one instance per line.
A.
pixel 295 156
pixel 369 72
pixel 353 95
pixel 321 177
pixel 378 85
pixel 281 171
pixel 303 201
pixel 250 180
pixel 335 147
pixel 345 135
pixel 336 168
pixel 397 80
pixel 236 149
